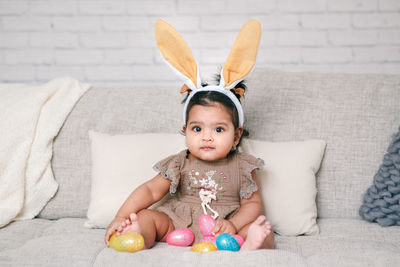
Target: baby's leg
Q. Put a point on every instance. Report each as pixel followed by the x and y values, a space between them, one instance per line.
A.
pixel 257 235
pixel 151 224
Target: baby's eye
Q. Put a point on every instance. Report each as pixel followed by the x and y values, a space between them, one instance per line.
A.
pixel 219 129
pixel 196 129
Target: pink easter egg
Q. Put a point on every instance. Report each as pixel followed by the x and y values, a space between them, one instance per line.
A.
pixel 207 225
pixel 182 237
pixel 210 239
pixel 239 239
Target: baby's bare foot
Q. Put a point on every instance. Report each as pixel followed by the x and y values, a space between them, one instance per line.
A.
pixel 256 234
pixel 130 225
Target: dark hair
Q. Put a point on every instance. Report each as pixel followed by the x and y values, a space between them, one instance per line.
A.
pixel 208 98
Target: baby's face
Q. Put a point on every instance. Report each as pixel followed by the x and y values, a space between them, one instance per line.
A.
pixel 210 133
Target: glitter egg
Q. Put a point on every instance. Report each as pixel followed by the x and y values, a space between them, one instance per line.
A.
pixel 227 242
pixel 202 247
pixel 129 242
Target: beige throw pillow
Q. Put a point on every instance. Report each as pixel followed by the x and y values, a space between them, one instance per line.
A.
pixel 288 183
pixel 120 163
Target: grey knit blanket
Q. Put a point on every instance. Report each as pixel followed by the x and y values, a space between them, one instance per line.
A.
pixel 382 200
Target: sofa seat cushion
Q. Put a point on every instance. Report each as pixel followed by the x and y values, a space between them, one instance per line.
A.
pixel 346 242
pixel 65 242
pixel 181 256
pixel 39 242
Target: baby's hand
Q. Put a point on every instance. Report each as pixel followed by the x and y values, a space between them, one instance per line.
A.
pixel 224 226
pixel 116 225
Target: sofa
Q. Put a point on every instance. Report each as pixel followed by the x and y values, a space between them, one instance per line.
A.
pixel 355 114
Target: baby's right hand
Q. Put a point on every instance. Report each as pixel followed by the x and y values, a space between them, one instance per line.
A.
pixel 116 225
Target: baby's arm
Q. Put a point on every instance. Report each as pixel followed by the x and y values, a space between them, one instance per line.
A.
pixel 250 208
pixel 141 198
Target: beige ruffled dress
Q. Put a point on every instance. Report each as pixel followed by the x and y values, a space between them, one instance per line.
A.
pixel 228 180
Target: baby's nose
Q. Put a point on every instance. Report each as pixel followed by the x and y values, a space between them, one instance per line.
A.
pixel 207 136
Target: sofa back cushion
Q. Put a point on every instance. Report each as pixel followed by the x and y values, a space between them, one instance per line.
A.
pixel 356 114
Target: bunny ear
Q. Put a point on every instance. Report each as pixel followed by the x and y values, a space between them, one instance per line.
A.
pixel 177 54
pixel 243 55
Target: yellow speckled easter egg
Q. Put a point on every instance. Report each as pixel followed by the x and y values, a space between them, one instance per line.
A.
pixel 129 242
pixel 203 247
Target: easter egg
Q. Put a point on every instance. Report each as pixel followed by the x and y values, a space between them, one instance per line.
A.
pixel 206 225
pixel 202 247
pixel 227 242
pixel 181 237
pixel 129 242
pixel 239 239
pixel 209 238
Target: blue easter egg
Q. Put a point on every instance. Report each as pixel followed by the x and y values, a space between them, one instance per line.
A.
pixel 227 242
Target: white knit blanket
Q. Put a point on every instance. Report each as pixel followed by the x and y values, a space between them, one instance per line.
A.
pixel 30 118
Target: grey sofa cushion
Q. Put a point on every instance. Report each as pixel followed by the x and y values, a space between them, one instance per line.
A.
pixel 355 114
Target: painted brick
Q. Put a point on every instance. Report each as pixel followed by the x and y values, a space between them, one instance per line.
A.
pixel 205 7
pixel 78 57
pixel 103 40
pixel 128 56
pixel 389 37
pixel 126 24
pixel 279 55
pixel 303 67
pixel 141 39
pixel 351 37
pixel 327 55
pixel 280 21
pixel 302 5
pixel 77 24
pixel 54 40
pixel 389 5
pixel 249 7
pixel 301 38
pixel 182 23
pixel 151 73
pixel 16 73
pixel 377 54
pixel 385 68
pixel 165 7
pixel 222 23
pixel 383 20
pixel 53 7
pixel 115 7
pixel 13 7
pixel 13 40
pixel 48 72
pixel 325 21
pixel 213 56
pixel 27 23
pixel 210 39
pixel 352 5
pixel 108 73
pixel 28 56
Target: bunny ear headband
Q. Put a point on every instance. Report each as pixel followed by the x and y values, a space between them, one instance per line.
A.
pixel 238 65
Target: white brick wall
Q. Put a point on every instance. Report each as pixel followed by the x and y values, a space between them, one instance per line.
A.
pixel 111 42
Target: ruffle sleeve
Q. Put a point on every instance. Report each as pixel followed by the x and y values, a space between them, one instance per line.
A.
pixel 247 164
pixel 170 168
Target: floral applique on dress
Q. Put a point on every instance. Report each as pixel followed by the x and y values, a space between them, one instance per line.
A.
pixel 207 183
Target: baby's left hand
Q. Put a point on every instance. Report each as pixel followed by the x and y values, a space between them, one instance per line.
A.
pixel 224 226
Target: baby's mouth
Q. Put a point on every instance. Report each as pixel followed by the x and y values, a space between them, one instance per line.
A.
pixel 206 148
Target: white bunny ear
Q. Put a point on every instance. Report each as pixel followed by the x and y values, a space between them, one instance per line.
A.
pixel 243 55
pixel 177 54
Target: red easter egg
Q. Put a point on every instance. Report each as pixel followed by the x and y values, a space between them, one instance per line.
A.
pixel 182 237
pixel 207 225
